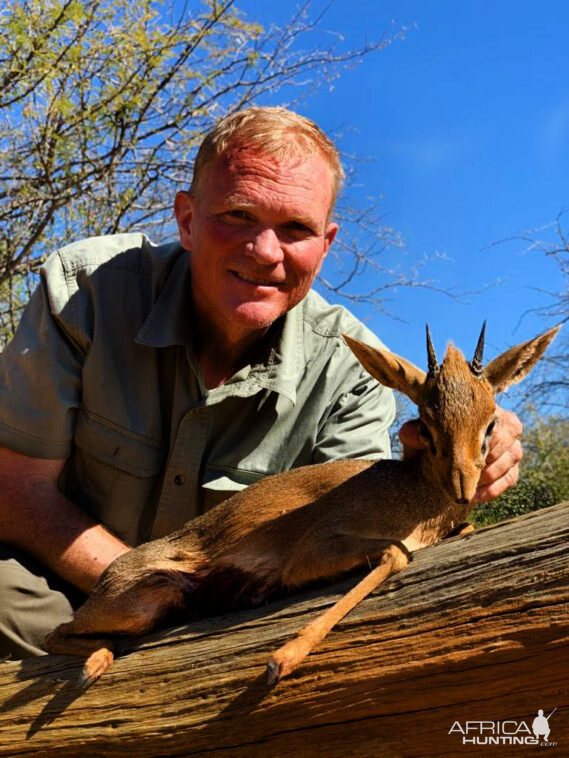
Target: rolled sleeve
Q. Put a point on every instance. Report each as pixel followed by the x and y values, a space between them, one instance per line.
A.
pixel 358 424
pixel 40 383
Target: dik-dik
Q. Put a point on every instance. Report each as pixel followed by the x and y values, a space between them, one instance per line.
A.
pixel 313 523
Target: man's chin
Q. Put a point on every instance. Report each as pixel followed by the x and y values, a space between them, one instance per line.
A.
pixel 256 316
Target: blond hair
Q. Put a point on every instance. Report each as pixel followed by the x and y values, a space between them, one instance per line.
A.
pixel 272 131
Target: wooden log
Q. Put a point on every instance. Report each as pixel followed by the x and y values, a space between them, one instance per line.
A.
pixel 476 629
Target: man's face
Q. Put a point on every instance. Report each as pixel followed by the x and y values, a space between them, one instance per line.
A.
pixel 258 231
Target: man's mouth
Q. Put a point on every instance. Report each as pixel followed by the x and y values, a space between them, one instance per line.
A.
pixel 256 280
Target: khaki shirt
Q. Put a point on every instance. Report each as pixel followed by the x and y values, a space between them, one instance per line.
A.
pixel 101 373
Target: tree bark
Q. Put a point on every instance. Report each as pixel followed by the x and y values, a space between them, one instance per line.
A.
pixel 475 629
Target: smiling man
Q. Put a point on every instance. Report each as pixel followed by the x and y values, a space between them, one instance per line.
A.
pixel 147 383
pixel 258 227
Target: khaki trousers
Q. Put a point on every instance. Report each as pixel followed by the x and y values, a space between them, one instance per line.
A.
pixel 33 601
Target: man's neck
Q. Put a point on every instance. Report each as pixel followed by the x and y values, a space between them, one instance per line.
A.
pixel 215 374
pixel 220 355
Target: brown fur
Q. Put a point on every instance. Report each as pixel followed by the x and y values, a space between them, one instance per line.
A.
pixel 312 523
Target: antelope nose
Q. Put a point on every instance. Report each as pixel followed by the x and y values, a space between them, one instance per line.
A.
pixel 464 486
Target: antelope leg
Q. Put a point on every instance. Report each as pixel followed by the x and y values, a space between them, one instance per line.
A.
pixel 288 657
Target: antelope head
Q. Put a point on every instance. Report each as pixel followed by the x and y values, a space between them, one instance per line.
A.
pixel 456 402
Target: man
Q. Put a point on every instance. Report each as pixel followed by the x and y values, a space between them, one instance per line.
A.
pixel 146 384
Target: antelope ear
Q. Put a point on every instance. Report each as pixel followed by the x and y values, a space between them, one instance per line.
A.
pixel 389 369
pixel 511 367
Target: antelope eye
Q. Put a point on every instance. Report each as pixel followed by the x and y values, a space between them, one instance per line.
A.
pixel 487 436
pixel 427 436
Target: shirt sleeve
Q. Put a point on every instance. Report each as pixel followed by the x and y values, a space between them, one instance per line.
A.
pixel 40 381
pixel 358 423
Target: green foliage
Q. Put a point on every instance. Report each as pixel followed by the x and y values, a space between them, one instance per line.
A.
pixel 14 294
pixel 97 102
pixel 544 479
pixel 103 104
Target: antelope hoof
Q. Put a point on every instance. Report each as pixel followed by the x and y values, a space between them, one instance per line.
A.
pixel 461 530
pixel 464 529
pixel 96 665
pixel 274 672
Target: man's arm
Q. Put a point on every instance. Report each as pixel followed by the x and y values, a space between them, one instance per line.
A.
pixel 37 518
pixel 358 423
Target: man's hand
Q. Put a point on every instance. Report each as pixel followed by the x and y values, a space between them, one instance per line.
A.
pixel 502 463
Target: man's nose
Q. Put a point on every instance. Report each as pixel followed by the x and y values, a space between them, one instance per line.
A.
pixel 265 247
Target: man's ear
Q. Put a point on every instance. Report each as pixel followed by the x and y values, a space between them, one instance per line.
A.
pixel 184 211
pixel 330 236
pixel 389 369
pixel 511 367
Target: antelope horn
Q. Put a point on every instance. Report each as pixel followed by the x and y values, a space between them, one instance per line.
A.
pixel 432 358
pixel 476 362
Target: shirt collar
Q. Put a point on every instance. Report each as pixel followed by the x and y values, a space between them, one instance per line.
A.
pixel 286 357
pixel 168 323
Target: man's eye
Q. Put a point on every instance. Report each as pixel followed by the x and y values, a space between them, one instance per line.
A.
pixel 237 215
pixel 298 228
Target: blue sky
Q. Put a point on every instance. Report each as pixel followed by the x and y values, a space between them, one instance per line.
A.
pixel 464 126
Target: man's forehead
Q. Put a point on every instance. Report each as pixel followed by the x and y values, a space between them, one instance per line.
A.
pixel 249 177
pixel 287 152
pixel 239 159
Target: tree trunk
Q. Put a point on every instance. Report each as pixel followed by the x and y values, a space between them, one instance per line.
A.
pixel 476 629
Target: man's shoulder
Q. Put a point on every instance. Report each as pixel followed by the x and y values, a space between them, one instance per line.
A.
pixel 325 322
pixel 116 273
pixel 131 251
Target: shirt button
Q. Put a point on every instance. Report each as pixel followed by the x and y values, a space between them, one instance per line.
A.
pixel 179 479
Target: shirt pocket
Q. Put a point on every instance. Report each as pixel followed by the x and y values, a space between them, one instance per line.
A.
pixel 116 475
pixel 221 482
